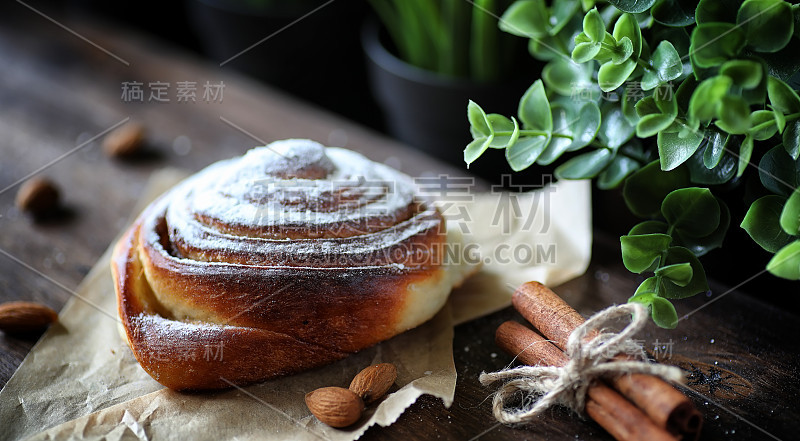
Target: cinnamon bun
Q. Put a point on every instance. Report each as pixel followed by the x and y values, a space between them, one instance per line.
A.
pixel 287 258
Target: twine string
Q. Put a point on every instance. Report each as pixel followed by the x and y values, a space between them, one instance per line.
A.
pixel 530 390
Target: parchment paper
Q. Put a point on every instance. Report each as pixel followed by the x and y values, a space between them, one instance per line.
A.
pixel 82 382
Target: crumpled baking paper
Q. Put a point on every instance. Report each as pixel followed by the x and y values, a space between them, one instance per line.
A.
pixel 81 380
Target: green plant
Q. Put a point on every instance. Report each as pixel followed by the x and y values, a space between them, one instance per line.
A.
pixel 450 37
pixel 707 80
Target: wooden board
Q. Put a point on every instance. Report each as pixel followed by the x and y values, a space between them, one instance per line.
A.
pixel 57 91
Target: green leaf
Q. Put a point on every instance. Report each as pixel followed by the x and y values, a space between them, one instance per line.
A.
pixel 585 166
pixel 698 283
pixel 685 129
pixel 715 43
pixel 707 97
pixel 674 150
pixel 571 117
pixel 584 52
pixel 663 313
pixel 665 100
pixel 526 19
pixel 646 188
pixel 790 217
pixel 672 13
pixel 630 97
pixel 623 51
pixel 525 152
pixel 734 113
pixel 768 24
pixel 609 50
pixel 563 76
pixel 561 14
pixel 745 151
pixel 722 172
pixel 744 73
pixel 627 26
pixel 679 273
pixel 476 148
pixel 593 26
pixel 640 252
pixel 615 130
pixel 784 63
pixel 477 119
pixel 500 123
pixel 545 48
pixel 557 145
pixel 611 76
pixel 791 139
pixel 534 108
pixel 647 106
pixel 757 95
pixel 702 245
pixel 667 66
pixel 716 147
pixel 693 211
pixel 633 149
pixel 582 38
pixel 733 130
pixel 786 262
pixel 685 90
pixel 780 119
pixel 717 10
pixel 632 6
pixel 762 223
pixel 645 297
pixel 764 125
pixel 778 172
pixel 616 172
pixel 586 126
pixel 652 124
pixel 649 285
pixel 782 97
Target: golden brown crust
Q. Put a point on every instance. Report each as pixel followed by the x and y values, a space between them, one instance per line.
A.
pixel 206 307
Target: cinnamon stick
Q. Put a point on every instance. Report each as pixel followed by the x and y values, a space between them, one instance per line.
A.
pixel 666 406
pixel 607 407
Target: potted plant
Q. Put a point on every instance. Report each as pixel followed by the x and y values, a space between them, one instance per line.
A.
pixel 430 57
pixel 679 103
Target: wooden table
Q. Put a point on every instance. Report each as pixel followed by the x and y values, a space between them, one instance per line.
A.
pixel 57 92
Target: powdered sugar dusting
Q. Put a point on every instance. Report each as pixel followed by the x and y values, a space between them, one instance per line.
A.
pixel 243 210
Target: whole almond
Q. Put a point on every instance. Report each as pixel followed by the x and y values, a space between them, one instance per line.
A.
pixel 38 196
pixel 125 140
pixel 374 381
pixel 335 406
pixel 16 317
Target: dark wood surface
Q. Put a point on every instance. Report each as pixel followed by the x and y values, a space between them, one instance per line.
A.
pixel 57 91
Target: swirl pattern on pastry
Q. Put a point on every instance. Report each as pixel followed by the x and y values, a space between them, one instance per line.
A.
pixel 289 257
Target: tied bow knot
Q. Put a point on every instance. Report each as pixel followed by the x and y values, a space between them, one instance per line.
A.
pixel 541 387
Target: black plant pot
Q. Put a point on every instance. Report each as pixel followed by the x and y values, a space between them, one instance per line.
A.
pixel 428 111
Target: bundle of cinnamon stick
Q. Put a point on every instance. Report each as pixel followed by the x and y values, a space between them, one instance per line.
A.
pixel 629 407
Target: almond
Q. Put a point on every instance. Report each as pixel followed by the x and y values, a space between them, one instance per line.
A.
pixel 37 196
pixel 16 317
pixel 335 406
pixel 125 140
pixel 374 381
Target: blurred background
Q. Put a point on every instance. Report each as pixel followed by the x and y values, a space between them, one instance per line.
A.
pixel 383 64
